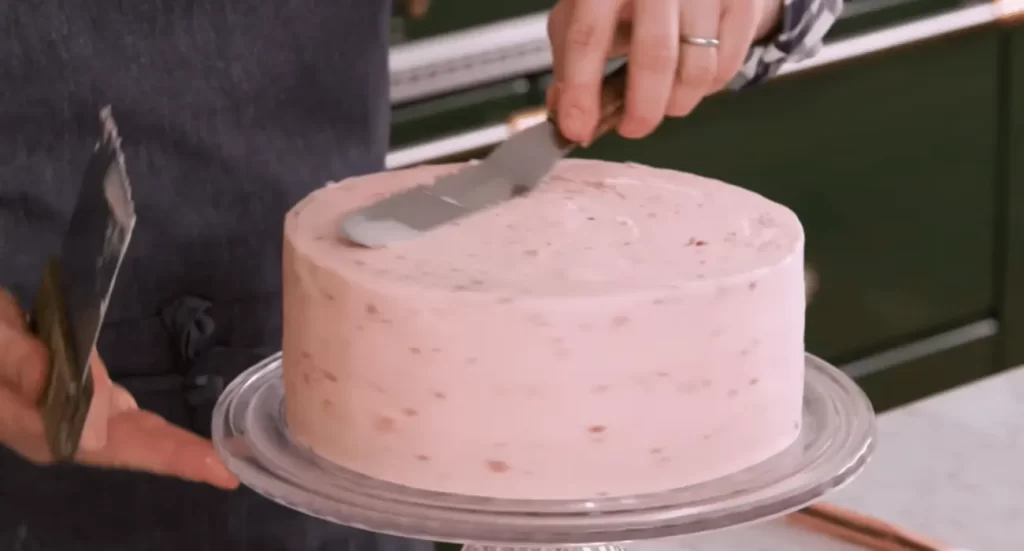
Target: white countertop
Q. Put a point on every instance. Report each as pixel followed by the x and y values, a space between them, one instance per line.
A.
pixel 950 467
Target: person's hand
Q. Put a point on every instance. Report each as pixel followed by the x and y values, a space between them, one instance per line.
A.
pixel 667 77
pixel 417 9
pixel 117 433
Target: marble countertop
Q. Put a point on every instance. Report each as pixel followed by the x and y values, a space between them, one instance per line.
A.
pixel 950 467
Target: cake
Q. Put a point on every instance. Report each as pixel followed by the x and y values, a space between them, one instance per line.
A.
pixel 621 330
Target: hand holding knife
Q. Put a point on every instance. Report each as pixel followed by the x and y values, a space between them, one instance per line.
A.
pixel 514 168
pixel 76 287
pixel 60 404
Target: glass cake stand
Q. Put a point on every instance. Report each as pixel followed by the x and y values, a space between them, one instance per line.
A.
pixel 835 442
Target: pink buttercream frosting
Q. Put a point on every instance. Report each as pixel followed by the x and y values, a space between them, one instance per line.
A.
pixel 621 330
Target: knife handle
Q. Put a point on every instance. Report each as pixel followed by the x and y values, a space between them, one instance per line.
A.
pixel 67 396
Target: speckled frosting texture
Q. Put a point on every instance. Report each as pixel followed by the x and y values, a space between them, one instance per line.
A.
pixel 621 330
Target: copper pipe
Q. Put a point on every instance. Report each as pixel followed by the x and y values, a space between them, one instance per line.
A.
pixel 868 532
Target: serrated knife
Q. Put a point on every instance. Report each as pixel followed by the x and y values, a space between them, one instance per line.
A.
pixel 514 168
pixel 76 287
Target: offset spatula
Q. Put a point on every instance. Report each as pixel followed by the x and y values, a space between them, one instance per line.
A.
pixel 76 286
pixel 512 169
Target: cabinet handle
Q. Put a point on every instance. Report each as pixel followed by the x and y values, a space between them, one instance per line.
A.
pixel 865 44
pixel 923 348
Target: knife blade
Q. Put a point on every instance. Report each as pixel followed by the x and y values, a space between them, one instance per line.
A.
pixel 513 169
pixel 76 287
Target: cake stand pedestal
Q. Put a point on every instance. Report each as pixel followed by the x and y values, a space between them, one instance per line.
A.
pixel 835 442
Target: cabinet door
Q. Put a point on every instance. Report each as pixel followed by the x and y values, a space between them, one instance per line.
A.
pixel 1012 100
pixel 889 158
pixel 890 163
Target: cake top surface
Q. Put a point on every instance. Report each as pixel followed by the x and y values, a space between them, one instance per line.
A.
pixel 592 228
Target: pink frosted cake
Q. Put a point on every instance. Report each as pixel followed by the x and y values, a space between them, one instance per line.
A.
pixel 621 330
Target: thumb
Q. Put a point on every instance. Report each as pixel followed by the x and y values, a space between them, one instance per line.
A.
pixel 558 21
pixel 21 428
pixel 94 434
pixel 551 97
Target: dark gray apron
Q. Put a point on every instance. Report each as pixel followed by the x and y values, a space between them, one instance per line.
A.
pixel 231 111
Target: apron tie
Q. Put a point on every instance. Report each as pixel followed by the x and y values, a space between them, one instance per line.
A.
pixel 192 328
pixel 207 364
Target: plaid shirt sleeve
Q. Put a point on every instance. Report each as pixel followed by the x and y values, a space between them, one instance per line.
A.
pixel 804 24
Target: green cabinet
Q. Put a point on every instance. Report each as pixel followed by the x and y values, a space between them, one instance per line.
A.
pixel 1011 197
pixel 904 158
pixel 889 163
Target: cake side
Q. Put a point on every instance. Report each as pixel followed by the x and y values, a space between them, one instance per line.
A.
pixel 638 384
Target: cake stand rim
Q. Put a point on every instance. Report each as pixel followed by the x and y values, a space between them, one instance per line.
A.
pixel 518 528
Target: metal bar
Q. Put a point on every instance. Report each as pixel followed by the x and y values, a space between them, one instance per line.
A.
pixel 921 348
pixel 464 59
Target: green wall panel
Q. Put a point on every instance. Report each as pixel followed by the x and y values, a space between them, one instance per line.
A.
pixel 1012 101
pixel 890 162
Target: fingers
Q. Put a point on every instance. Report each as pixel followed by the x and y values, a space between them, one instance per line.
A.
pixel 121 400
pixel 769 16
pixel 21 427
pixel 23 359
pixel 587 40
pixel 117 434
pixel 551 96
pixel 126 437
pixel 698 65
pixel 10 313
pixel 94 433
pixel 584 33
pixel 142 441
pixel 23 364
pixel 654 50
pixel 558 21
pixel 136 440
pixel 738 27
